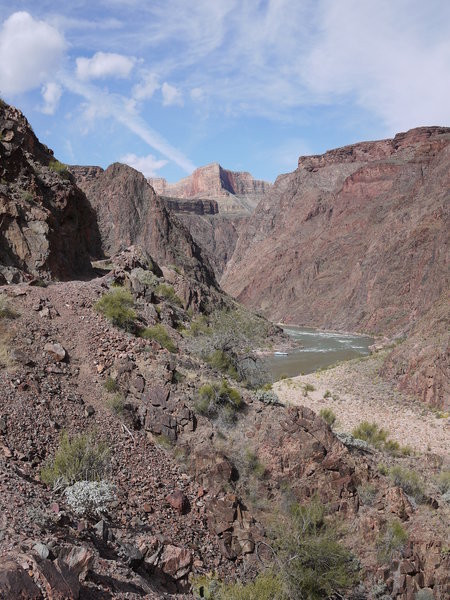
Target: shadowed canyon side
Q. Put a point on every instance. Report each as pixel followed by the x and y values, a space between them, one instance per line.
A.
pixel 355 239
pixel 47 227
pixel 214 227
pixel 129 212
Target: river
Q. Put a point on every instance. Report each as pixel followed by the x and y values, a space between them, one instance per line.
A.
pixel 317 349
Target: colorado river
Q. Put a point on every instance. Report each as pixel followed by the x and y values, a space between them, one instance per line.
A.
pixel 318 349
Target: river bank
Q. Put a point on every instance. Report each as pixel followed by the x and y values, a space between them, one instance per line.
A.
pixel 356 393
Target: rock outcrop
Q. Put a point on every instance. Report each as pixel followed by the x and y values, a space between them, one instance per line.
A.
pixel 231 198
pixel 47 228
pixel 129 212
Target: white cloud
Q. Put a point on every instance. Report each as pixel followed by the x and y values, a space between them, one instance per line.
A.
pixel 391 58
pixel 146 87
pixel 198 94
pixel 31 52
pixel 51 93
pixel 171 95
pixel 148 165
pixel 104 64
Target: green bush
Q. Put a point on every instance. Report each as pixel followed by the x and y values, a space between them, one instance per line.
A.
pixel 254 465
pixel 59 167
pixel 223 362
pixel 168 293
pixel 308 387
pixel 77 459
pixel 266 586
pixel 443 481
pixel 110 385
pixel 367 494
pixel 409 481
pixel 116 404
pixel 328 416
pixel 6 312
pixel 327 394
pixel 315 564
pixel 393 540
pixel 370 433
pixel 216 400
pixel 118 307
pixel 158 333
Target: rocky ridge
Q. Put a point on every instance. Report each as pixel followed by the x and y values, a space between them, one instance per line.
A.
pixel 355 239
pixel 47 228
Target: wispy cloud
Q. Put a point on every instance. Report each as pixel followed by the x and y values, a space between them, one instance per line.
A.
pixel 101 104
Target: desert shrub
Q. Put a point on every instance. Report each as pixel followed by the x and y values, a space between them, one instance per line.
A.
pixel 116 404
pixel 443 481
pixel 254 465
pixel 328 416
pixel 90 497
pixel 266 586
pixel 168 293
pixel 327 394
pixel 158 333
pixel 6 312
pixel 267 396
pixel 424 594
pixel 78 459
pixel 233 334
pixel 370 433
pixel 164 441
pixel 391 541
pixel 308 387
pixel 110 385
pixel 59 167
pixel 218 400
pixel 314 564
pixel 367 494
pixel 223 362
pixel 382 469
pixel 409 481
pixel 118 307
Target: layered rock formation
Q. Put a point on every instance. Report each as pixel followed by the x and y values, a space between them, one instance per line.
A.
pixel 236 196
pixel 354 239
pixel 129 212
pixel 235 191
pixel 47 228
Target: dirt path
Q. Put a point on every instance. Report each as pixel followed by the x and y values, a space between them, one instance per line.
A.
pixel 359 394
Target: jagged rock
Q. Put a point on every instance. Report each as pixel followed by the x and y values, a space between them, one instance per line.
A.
pixel 398 503
pixel 175 561
pixel 16 583
pixel 178 501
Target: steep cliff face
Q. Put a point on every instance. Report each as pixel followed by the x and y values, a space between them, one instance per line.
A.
pixel 235 191
pixel 130 213
pixel 357 239
pixel 46 228
pixel 354 239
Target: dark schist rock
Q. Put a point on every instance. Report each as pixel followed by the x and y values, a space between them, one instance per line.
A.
pixel 47 229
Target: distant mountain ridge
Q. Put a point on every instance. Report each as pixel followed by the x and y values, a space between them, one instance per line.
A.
pixel 235 191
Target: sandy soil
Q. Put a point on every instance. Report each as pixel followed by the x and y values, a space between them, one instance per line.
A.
pixel 359 394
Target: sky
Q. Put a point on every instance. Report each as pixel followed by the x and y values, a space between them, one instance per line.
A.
pixel 168 85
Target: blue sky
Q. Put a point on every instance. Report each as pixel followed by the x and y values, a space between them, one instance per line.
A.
pixel 170 85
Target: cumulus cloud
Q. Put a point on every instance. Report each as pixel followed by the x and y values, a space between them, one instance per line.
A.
pixel 147 165
pixel 103 65
pixel 146 87
pixel 51 93
pixel 31 52
pixel 171 95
